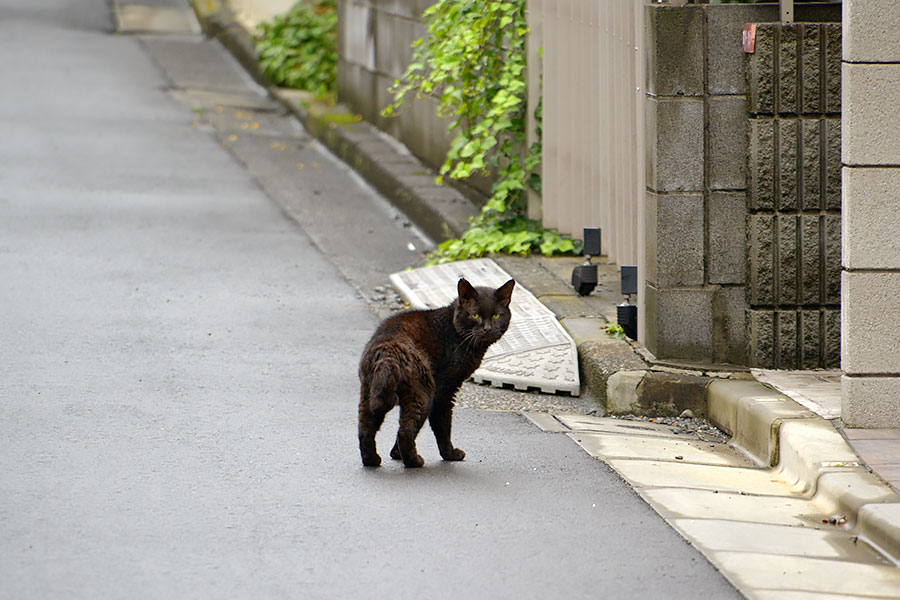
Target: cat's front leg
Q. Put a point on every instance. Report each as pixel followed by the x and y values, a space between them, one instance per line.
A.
pixel 441 420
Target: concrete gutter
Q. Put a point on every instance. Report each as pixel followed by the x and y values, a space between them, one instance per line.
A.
pixel 810 453
pixel 772 430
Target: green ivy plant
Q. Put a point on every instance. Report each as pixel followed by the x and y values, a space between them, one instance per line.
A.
pixel 298 49
pixel 473 63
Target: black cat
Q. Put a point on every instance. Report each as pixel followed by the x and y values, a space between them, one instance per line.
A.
pixel 418 360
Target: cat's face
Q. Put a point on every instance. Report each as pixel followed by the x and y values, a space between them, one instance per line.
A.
pixel 482 314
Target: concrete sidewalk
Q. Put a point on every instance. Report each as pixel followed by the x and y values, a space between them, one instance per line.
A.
pixel 790 424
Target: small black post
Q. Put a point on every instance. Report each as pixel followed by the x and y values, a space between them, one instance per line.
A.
pixel 626 313
pixel 584 277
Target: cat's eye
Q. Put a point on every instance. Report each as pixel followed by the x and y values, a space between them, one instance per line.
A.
pixel 476 317
pixel 496 316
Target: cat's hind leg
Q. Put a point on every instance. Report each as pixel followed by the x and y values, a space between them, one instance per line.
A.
pixel 441 418
pixel 413 409
pixel 369 423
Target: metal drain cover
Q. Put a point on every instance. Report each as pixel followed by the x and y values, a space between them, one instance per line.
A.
pixel 535 352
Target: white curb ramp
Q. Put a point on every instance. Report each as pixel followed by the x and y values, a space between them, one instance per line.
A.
pixel 535 352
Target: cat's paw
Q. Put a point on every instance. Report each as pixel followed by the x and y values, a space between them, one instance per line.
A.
pixel 371 460
pixel 455 454
pixel 395 453
pixel 414 462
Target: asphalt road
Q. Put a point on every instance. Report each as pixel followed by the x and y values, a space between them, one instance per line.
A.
pixel 178 376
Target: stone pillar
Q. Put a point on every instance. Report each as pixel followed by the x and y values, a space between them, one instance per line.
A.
pixel 870 281
pixel 696 204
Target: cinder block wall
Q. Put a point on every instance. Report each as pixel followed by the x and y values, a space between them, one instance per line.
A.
pixel 374 38
pixel 705 300
pixel 870 291
pixel 794 80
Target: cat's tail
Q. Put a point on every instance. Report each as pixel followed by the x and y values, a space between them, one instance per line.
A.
pixel 383 385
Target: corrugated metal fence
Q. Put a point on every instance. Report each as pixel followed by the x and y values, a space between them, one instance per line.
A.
pixel 593 118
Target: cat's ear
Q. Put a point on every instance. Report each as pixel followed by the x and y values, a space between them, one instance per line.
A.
pixel 466 291
pixel 503 294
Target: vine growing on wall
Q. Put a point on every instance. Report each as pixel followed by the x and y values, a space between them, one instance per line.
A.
pixel 473 63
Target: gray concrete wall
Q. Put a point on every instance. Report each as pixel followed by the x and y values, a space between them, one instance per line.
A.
pixel 374 38
pixel 871 206
pixel 700 279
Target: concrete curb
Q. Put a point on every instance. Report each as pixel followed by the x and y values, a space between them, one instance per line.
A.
pixel 809 453
pixel 440 211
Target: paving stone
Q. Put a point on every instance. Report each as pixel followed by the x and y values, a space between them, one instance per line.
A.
pixel 587 424
pixel 650 473
pixel 758 571
pixel 819 391
pixel 878 452
pixel 871 434
pixel 773 510
pixel 605 446
pixel 796 595
pixel 546 422
pixel 724 535
pixel 890 473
